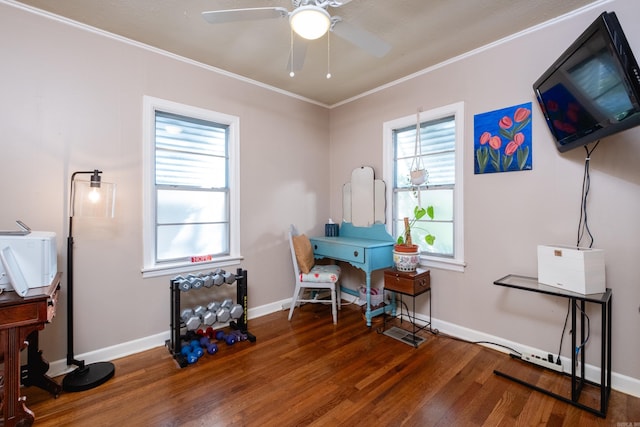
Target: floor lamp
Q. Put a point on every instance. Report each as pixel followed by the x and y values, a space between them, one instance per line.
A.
pixel 87 199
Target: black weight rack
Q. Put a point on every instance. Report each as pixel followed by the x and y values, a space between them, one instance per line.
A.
pixel 176 324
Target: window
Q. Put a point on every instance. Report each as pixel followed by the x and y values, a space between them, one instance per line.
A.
pixel 190 188
pixel 441 153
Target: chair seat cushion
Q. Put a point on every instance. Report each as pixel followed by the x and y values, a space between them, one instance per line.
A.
pixel 322 273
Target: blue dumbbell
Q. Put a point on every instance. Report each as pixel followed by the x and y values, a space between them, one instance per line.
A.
pixel 212 348
pixel 230 339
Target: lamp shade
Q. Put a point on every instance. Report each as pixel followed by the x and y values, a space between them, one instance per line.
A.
pixel 91 199
pixel 310 22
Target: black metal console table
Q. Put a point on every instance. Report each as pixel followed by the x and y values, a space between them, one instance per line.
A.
pixel 578 379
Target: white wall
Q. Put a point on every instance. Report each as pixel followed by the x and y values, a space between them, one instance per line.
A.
pixel 72 100
pixel 507 215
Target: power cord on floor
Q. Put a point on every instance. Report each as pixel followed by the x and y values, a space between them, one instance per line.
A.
pixel 445 335
pixel 512 350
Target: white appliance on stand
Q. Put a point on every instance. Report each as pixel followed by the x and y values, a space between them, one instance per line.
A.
pixel 36 255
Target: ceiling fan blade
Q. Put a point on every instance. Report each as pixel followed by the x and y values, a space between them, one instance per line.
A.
pixel 234 15
pixel 299 54
pixel 360 37
pixel 338 3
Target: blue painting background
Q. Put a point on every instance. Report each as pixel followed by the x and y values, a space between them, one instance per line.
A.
pixel 502 140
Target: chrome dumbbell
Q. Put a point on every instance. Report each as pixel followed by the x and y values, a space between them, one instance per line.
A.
pixel 208 280
pixel 193 323
pixel 209 317
pixel 186 314
pixel 218 279
pixel 236 311
pixel 229 278
pixel 213 306
pixel 183 284
pixel 223 315
pixel 197 283
pixel 199 310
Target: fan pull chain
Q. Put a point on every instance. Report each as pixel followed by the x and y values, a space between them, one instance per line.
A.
pixel 328 55
pixel 291 73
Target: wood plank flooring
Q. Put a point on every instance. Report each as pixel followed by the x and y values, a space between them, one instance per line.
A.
pixel 308 372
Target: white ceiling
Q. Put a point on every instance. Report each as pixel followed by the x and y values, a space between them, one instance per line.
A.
pixel 422 33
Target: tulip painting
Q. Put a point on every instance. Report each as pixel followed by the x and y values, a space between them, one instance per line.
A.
pixel 502 140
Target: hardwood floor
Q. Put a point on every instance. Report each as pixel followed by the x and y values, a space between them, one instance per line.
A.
pixel 310 372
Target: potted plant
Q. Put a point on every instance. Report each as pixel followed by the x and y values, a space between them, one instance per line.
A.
pixel 406 254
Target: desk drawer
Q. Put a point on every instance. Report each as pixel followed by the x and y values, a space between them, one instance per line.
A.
pixel 342 252
pixel 413 283
pixel 22 314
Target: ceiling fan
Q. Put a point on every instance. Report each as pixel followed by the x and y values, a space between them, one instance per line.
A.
pixel 310 20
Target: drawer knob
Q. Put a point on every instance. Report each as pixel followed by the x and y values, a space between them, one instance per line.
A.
pixel 315 247
pixel 355 253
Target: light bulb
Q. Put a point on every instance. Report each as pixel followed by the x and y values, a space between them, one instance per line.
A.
pixel 292 74
pixel 310 22
pixel 94 195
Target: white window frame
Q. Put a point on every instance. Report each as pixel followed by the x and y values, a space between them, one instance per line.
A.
pixel 151 268
pixel 456 263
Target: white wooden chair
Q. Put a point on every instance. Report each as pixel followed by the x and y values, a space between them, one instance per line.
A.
pixel 315 278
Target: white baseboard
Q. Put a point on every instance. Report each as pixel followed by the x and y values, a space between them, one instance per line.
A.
pixel 619 382
pixel 60 367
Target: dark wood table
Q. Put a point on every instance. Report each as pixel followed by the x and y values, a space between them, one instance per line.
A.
pixel 21 319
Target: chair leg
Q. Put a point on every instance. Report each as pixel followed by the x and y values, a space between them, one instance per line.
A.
pixel 334 311
pixel 339 296
pixel 294 300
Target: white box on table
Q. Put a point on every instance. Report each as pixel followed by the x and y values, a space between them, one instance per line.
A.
pixel 574 269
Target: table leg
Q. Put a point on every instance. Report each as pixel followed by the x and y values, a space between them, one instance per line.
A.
pixel 35 371
pixel 14 410
pixel 368 311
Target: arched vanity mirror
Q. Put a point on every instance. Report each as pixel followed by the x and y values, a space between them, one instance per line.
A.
pixel 363 198
pixel 363 240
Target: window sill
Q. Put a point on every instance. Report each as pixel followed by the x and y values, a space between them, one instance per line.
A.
pixel 443 263
pixel 188 267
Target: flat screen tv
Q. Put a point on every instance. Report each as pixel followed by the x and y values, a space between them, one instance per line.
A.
pixel 593 89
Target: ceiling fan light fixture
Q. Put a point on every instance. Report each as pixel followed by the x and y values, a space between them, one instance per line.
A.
pixel 310 22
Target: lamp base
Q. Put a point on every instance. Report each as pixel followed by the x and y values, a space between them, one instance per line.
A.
pixel 88 377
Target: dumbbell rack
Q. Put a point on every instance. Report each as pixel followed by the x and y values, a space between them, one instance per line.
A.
pixel 176 325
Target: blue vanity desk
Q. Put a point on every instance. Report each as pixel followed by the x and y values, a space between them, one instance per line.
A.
pixel 365 248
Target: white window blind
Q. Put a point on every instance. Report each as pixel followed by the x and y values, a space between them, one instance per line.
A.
pixel 192 190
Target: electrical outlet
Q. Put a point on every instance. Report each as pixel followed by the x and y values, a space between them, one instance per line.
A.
pixel 546 362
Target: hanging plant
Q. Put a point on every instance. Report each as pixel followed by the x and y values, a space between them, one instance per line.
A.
pixel 417 171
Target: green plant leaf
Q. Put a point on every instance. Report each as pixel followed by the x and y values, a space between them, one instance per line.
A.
pixel 483 157
pixel 430 239
pixel 521 125
pixel 430 212
pixel 507 134
pixel 523 155
pixel 506 162
pixel 419 212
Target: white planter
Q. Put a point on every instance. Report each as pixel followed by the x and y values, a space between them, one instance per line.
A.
pixel 406 261
pixel 418 177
